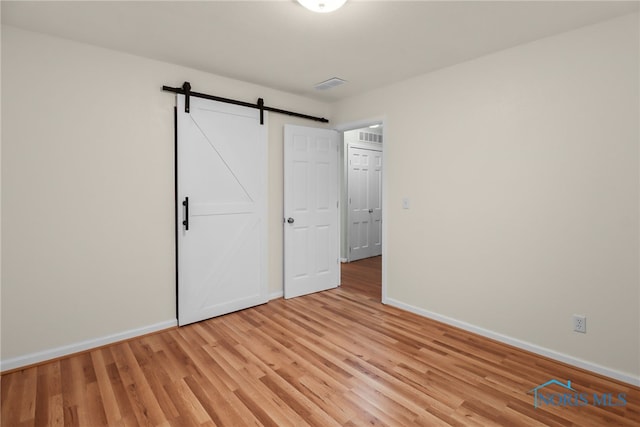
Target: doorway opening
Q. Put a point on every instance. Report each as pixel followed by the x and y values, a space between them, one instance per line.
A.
pixel 361 237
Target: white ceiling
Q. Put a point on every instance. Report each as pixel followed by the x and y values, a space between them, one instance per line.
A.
pixel 279 44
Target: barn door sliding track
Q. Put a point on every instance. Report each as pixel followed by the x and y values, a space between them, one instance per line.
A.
pixel 186 91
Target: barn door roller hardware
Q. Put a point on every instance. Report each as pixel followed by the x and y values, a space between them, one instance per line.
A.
pixel 186 91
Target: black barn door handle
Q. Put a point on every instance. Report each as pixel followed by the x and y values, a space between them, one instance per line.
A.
pixel 185 203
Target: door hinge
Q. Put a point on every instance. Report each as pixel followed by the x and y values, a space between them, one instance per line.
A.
pixel 349 249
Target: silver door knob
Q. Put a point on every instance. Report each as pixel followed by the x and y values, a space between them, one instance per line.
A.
pixel 290 220
pixel 370 210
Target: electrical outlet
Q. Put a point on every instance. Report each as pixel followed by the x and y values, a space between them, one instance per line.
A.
pixel 580 323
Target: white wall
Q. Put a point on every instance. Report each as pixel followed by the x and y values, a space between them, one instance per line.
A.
pixel 88 191
pixel 522 171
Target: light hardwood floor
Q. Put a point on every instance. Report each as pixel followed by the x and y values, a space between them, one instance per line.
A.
pixel 328 359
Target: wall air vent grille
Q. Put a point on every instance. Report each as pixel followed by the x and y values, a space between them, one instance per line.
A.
pixel 369 137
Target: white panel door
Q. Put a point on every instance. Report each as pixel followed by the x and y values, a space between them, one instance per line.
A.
pixel 311 210
pixel 222 230
pixel 365 202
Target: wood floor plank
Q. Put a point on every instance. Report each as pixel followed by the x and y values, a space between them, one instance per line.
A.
pixel 49 396
pixel 12 390
pixel 213 393
pixel 155 375
pixel 145 406
pixel 332 358
pixel 254 394
pixel 112 411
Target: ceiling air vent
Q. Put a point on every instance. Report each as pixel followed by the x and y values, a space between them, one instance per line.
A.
pixel 328 84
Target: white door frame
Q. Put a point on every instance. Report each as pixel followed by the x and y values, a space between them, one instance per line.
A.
pixel 342 127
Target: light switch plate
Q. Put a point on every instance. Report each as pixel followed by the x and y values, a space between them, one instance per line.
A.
pixel 405 203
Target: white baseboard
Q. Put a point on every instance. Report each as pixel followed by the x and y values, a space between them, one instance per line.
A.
pixel 41 356
pixel 561 357
pixel 276 295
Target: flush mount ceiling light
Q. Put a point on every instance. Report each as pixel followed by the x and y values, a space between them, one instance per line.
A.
pixel 322 6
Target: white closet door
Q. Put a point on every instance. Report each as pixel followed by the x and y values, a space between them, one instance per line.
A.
pixel 375 202
pixel 222 230
pixel 365 203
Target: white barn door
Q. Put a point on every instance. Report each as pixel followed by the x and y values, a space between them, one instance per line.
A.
pixel 221 219
pixel 311 209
